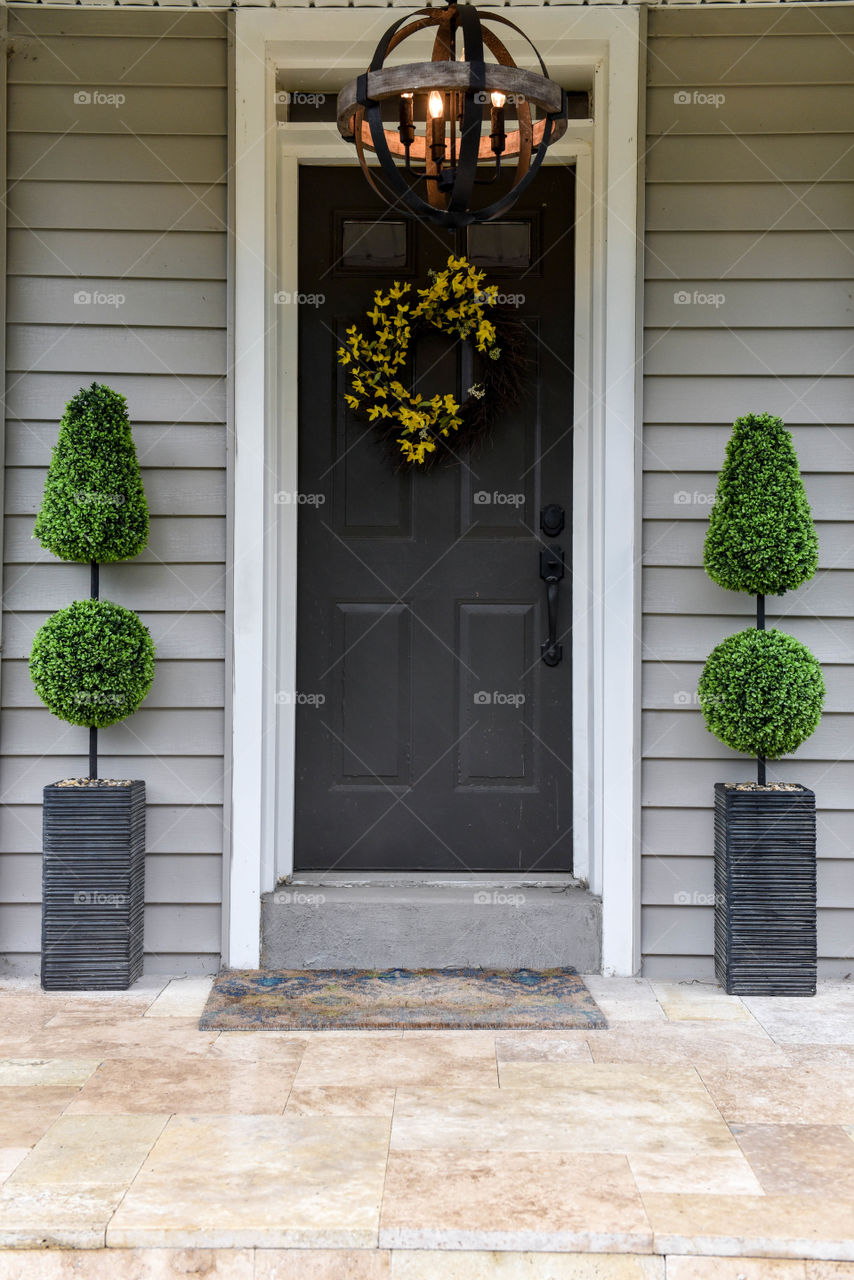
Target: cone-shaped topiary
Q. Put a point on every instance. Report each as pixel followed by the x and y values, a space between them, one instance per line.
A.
pixel 94 504
pixel 761 536
pixel 92 663
pixel 761 692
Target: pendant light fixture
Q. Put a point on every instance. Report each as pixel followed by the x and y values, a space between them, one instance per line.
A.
pixel 461 121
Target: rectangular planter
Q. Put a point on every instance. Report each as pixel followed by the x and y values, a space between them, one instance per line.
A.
pixel 93 886
pixel 765 891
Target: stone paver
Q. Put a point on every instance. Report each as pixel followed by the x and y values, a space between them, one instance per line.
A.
pixel 700 1137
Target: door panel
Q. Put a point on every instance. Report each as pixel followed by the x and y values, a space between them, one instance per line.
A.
pixel 430 734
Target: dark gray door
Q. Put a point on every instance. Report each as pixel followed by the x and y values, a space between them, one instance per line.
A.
pixel 430 733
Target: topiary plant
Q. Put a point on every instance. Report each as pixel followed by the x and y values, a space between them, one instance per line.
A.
pixel 761 537
pixel 93 663
pixel 94 504
pixel 761 692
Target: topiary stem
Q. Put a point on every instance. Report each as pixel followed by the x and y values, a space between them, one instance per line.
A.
pixel 760 626
pixel 94 588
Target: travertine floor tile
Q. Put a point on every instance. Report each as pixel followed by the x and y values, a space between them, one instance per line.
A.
pixel 90 1152
pixel 625 999
pixel 27 1112
pixel 512 1200
pixel 335 1100
pixel 322 1264
pixel 181 998
pixel 46 1071
pixel 271 1181
pixel 799 1159
pixel 689 1268
pixel 128 1264
pixel 720 1044
pixel 830 1270
pixel 195 1087
pixel 826 1018
pixel 544 1046
pixel 558 1120
pixel 768 1226
pixel 457 1264
pixel 781 1095
pixel 54 1217
pixel 721 1171
pixel 399 1062
pixel 268 1046
pixel 173 1038
pixel 698 1002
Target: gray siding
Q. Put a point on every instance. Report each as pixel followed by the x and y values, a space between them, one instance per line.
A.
pixel 751 199
pixel 127 200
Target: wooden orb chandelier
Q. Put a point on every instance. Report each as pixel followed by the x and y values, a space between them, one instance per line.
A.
pixel 459 118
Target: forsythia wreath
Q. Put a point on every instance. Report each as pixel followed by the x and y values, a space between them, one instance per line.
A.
pixel 455 302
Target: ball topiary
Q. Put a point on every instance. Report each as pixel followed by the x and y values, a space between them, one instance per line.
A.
pixel 761 692
pixel 761 536
pixel 92 663
pixel 94 504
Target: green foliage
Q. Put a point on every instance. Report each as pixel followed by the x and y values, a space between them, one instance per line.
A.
pixel 94 504
pixel 92 663
pixel 761 692
pixel 761 536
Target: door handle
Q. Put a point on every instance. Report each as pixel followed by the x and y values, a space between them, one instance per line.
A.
pixel 551 572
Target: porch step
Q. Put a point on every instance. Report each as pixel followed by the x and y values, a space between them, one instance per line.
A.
pixel 374 921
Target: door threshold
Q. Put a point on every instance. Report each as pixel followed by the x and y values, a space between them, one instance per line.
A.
pixel 476 879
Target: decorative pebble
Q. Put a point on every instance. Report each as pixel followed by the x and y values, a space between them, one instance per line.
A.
pixel 767 786
pixel 95 782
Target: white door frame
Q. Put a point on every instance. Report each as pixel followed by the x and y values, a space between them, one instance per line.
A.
pixel 603 45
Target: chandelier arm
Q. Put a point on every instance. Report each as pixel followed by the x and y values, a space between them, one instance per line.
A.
pixel 472 110
pixel 506 201
pixel 391 173
pixel 382 48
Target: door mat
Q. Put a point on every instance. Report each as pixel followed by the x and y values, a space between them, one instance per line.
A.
pixel 320 999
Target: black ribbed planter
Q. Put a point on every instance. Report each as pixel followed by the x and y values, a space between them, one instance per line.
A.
pixel 93 882
pixel 765 891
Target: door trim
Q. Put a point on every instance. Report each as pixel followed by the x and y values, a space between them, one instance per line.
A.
pixel 606 46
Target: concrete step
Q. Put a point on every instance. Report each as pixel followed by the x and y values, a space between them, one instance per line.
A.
pixel 418 921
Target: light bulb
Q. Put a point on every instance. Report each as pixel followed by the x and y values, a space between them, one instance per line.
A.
pixel 436 104
pixel 406 95
pixel 498 99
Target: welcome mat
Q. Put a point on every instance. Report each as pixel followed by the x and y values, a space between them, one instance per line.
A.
pixel 320 999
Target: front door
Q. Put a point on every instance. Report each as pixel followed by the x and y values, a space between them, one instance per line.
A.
pixel 431 734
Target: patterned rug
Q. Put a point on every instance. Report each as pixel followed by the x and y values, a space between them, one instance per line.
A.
pixel 295 999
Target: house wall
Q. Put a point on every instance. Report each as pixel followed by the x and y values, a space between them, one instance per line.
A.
pixel 126 200
pixel 749 198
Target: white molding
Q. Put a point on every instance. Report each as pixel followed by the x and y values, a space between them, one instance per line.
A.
pixel 604 46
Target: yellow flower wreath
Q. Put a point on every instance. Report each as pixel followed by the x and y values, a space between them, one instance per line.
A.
pixel 454 301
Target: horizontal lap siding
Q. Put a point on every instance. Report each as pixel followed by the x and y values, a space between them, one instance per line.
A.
pixel 748 306
pixel 128 205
